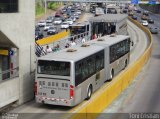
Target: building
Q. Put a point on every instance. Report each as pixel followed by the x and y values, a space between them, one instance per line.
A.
pixel 17 58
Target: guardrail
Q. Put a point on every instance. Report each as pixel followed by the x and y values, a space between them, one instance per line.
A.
pixel 106 97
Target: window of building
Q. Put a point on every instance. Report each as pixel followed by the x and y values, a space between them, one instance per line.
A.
pixel 8 6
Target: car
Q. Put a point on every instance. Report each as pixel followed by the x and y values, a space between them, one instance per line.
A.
pixel 69 21
pixel 57 20
pixel 146 13
pixel 134 17
pixel 73 18
pixel 64 9
pixel 79 12
pixel 73 9
pixel 138 11
pixel 41 23
pixel 151 21
pixel 130 13
pixel 65 16
pixel 38 35
pixel 52 30
pixel 46 27
pixel 144 22
pixel 37 28
pixel 153 30
pixel 144 17
pixel 125 10
pixel 50 19
pixel 76 16
pixel 64 25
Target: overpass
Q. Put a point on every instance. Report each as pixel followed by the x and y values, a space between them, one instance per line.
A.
pixel 97 1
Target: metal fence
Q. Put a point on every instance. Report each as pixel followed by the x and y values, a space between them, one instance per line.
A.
pixel 63 43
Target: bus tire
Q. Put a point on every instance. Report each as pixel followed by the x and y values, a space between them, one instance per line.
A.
pixel 89 92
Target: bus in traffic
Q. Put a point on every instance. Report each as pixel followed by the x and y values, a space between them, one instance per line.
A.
pixel 80 28
pixel 71 75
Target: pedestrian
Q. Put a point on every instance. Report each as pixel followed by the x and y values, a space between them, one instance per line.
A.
pixel 94 36
pixel 48 49
pixel 83 40
pixel 73 43
pixel 67 45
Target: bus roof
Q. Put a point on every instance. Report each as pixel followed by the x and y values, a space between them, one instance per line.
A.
pixel 108 40
pixel 80 53
pixel 84 23
pixel 109 18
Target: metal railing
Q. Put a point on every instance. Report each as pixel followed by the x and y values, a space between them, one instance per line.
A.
pixel 63 43
pixel 9 74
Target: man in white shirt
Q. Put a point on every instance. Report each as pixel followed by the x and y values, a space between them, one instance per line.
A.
pixel 73 43
pixel 83 40
pixel 48 49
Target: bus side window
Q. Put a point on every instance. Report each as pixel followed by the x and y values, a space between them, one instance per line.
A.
pixel 78 74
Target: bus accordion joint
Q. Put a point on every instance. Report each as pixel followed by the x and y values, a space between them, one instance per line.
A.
pixel 101 39
pixel 85 45
pixel 71 50
pixel 71 92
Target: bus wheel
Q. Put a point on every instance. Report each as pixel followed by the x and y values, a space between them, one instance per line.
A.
pixel 89 93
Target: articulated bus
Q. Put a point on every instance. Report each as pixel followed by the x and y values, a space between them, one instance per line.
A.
pixel 71 75
pixel 80 28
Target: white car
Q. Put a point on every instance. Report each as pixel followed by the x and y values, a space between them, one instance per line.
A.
pixel 79 12
pixel 144 23
pixel 46 27
pixel 73 18
pixel 69 21
pixel 50 19
pixel 42 23
pixel 64 25
pixel 57 21
pixel 52 30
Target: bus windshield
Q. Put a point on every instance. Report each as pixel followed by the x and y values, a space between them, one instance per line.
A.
pixel 51 67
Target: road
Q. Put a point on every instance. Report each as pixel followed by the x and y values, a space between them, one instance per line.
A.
pixel 35 109
pixel 142 96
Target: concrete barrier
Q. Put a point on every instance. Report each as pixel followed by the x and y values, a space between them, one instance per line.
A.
pixel 53 38
pixel 106 97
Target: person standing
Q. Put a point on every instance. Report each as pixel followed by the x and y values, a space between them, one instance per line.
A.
pixel 83 40
pixel 48 49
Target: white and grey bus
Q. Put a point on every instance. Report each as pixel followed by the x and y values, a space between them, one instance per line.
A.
pixel 71 75
pixel 80 28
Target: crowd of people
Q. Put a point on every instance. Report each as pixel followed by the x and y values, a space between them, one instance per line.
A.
pixel 71 43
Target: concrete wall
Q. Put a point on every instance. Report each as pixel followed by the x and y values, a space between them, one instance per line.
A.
pixel 19 28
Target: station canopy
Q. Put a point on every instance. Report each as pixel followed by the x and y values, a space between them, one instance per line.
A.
pixel 109 18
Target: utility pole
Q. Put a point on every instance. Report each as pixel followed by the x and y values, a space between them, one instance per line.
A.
pixel 45 5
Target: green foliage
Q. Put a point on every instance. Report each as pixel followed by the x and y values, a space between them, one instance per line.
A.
pixel 39 9
pixel 52 5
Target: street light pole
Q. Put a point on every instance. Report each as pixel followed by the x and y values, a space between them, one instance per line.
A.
pixel 45 5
